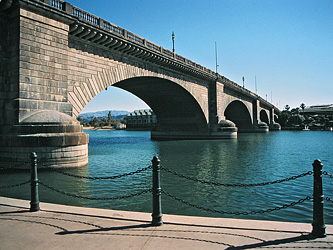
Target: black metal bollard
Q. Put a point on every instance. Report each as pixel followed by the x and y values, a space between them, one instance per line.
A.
pixel 318 224
pixel 157 210
pixel 34 203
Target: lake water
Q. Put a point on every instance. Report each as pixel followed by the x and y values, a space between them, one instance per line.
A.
pixel 252 158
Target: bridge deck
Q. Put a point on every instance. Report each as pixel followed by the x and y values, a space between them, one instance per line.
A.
pixel 67 227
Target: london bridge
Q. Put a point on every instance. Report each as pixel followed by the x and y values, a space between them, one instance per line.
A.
pixel 57 57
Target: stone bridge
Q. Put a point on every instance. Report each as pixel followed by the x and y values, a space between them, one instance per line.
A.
pixel 55 58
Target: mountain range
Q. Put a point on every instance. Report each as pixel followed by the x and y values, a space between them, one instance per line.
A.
pixel 116 114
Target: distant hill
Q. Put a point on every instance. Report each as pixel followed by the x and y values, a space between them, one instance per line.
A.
pixel 116 114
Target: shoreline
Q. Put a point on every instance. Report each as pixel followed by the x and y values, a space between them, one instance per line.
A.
pixel 107 128
pixel 99 128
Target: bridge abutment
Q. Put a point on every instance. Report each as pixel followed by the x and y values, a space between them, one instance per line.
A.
pixel 35 115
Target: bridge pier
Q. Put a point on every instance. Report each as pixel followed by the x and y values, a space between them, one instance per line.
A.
pixel 274 126
pixel 261 127
pixel 58 139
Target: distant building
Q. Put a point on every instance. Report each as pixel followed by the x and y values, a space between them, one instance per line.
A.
pixel 121 126
pixel 141 119
pixel 319 110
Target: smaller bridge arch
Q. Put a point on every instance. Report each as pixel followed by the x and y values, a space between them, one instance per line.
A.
pixel 238 113
pixel 264 116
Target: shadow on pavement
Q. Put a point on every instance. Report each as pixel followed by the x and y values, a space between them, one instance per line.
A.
pixel 276 242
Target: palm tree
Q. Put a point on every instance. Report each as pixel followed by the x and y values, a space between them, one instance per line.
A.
pixel 302 107
pixel 287 107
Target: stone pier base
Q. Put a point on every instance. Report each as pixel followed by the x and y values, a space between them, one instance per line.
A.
pixel 57 138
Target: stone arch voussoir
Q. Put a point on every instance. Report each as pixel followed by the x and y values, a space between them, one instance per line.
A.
pixel 85 90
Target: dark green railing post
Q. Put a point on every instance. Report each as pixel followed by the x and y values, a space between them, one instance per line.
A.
pixel 157 211
pixel 318 224
pixel 34 203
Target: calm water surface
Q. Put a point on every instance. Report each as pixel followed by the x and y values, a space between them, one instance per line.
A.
pixel 252 158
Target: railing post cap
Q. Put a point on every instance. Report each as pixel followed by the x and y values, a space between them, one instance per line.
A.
pixel 155 159
pixel 317 163
pixel 33 155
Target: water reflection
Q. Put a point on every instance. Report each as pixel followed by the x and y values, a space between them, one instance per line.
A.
pixel 252 158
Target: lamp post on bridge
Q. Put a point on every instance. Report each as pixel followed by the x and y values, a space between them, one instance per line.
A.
pixel 243 78
pixel 173 42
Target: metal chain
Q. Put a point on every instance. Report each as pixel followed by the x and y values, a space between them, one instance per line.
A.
pixel 237 213
pixel 98 178
pixel 328 199
pixel 16 185
pixel 15 166
pixel 93 198
pixel 237 184
pixel 328 174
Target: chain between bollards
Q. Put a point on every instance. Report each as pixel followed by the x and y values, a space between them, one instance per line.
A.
pixel 34 203
pixel 157 210
pixel 318 224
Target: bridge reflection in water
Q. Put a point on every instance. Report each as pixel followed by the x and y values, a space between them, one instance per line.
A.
pixel 253 158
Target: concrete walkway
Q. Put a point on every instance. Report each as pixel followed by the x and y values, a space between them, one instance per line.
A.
pixel 67 227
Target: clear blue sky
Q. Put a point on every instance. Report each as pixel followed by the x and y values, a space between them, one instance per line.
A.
pixel 286 44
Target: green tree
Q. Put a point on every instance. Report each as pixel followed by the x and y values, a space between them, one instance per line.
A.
pixel 283 118
pixel 295 120
pixel 104 122
pixel 95 122
pixel 110 118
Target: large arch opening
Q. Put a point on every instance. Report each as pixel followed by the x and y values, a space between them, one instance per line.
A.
pixel 176 109
pixel 114 98
pixel 264 117
pixel 238 113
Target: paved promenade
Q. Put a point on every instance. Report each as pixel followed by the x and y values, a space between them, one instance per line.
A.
pixel 67 227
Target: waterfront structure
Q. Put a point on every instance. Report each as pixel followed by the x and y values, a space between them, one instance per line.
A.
pixel 141 119
pixel 121 126
pixel 319 110
pixel 55 58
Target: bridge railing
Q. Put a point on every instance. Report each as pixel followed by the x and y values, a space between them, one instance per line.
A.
pixel 318 225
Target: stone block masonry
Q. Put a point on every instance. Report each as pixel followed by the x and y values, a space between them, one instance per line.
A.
pixel 43 64
pixel 36 115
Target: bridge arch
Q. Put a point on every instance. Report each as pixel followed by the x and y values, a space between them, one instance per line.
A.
pixel 238 113
pixel 264 117
pixel 176 108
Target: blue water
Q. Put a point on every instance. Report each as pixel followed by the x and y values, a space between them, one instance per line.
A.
pixel 252 158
